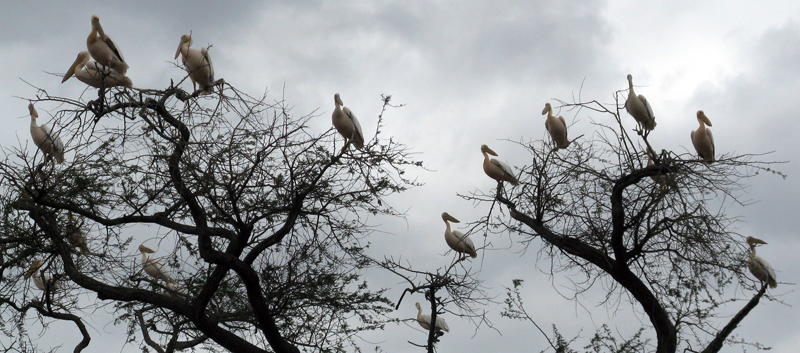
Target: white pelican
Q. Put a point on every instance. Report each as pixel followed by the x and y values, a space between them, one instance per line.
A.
pixel 75 235
pixel 103 49
pixel 94 74
pixel 759 267
pixel 43 137
pixel 153 267
pixel 557 128
pixel 703 139
pixel 425 321
pixel 458 241
pixel 496 169
pixel 40 279
pixel 175 290
pixel 346 123
pixel 659 179
pixel 198 64
pixel 639 108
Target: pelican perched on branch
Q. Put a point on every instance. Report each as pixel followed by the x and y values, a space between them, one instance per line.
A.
pixel 103 49
pixel 496 169
pixel 198 64
pixel 703 139
pixel 45 139
pixel 425 321
pixel 759 267
pixel 94 74
pixel 76 237
pixel 458 241
pixel 153 267
pixel 661 179
pixel 639 108
pixel 346 123
pixel 40 280
pixel 557 127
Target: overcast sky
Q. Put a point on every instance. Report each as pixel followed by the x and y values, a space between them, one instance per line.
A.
pixel 471 73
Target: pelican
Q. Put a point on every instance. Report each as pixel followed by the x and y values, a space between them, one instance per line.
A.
pixel 198 64
pixel 94 74
pixel 103 49
pixel 75 235
pixel 425 321
pixel 42 281
pixel 175 290
pixel 703 139
pixel 43 137
pixel 759 267
pixel 496 169
pixel 153 267
pixel 346 123
pixel 639 108
pixel 557 128
pixel 458 241
pixel 659 179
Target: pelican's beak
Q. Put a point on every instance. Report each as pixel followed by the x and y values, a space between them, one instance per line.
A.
pixel 145 249
pixel 72 68
pixel 447 217
pixel 32 110
pixel 178 52
pixel 751 240
pixel 488 150
pixel 337 100
pixel 546 108
pixel 702 116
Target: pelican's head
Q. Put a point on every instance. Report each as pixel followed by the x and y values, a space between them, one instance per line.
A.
pixel 486 149
pixel 35 264
pixel 701 117
pixel 418 306
pixel 186 38
pixel 337 100
pixel 753 241
pixel 80 61
pixel 630 79
pixel 447 217
pixel 96 26
pixel 547 108
pixel 31 109
pixel 145 249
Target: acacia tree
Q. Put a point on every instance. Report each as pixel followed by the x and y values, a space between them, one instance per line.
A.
pixel 653 235
pixel 260 221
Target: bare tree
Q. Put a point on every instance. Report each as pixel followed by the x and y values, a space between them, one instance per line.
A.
pixel 259 222
pixel 653 235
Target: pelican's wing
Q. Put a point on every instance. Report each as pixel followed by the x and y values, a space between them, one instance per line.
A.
pixel 58 146
pixel 207 57
pixel 113 47
pixel 711 138
pixel 441 324
pixel 503 166
pixel 355 122
pixel 565 127
pixel 647 105
pixel 463 238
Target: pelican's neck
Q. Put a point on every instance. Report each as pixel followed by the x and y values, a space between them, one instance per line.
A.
pixel 144 258
pixel 419 313
pixel 446 231
pixel 33 121
pixel 485 158
pixel 99 30
pixel 752 246
pixel 630 89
